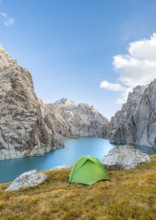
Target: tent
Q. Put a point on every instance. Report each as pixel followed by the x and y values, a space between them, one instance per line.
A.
pixel 88 170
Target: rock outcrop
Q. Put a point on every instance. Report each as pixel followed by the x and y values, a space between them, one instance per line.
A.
pixel 27 179
pixel 124 157
pixel 136 122
pixel 28 126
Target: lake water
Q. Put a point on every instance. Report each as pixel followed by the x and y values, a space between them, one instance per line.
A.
pixel 74 148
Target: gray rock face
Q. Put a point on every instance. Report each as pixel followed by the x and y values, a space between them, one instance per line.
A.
pixel 5 60
pixel 27 179
pixel 124 157
pixel 28 126
pixel 136 122
pixel 69 120
pixel 81 120
pixel 23 131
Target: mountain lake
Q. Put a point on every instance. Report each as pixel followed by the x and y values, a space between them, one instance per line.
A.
pixel 72 150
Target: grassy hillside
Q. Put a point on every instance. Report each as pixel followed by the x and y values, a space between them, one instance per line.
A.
pixel 128 195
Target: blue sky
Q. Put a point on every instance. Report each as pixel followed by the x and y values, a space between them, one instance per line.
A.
pixel 72 46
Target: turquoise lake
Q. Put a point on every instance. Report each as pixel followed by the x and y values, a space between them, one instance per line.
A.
pixel 73 149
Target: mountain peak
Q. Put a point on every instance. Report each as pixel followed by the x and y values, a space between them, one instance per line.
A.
pixel 65 102
pixel 6 60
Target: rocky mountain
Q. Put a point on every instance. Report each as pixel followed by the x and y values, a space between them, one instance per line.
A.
pixel 136 122
pixel 82 119
pixel 28 126
pixel 23 131
pixel 65 104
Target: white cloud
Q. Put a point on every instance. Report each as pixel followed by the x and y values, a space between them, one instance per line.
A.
pixel 7 21
pixel 3 14
pixel 137 67
pixel 117 88
pixel 142 49
pixel 112 86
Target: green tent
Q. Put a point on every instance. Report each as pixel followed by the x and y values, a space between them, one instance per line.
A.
pixel 88 170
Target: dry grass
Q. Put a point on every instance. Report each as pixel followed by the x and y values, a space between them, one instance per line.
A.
pixel 128 195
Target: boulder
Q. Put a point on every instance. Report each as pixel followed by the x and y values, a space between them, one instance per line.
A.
pixel 27 179
pixel 124 157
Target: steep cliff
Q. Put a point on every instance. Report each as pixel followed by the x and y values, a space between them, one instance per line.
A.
pixel 136 122
pixel 23 131
pixel 28 126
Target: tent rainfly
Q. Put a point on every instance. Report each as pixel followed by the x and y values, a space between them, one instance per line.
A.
pixel 88 170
